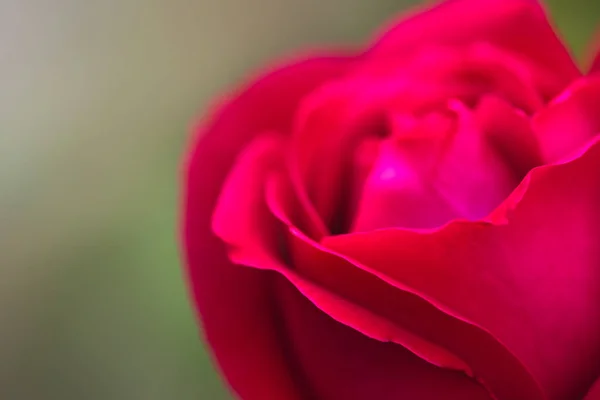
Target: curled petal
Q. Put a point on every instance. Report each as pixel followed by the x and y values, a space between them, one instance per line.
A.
pixel 535 277
pixel 344 364
pixel 350 294
pixel 386 310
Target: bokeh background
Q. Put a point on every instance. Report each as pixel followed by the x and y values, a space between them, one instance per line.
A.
pixel 96 101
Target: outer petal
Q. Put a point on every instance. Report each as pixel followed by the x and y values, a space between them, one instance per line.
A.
pixel 533 282
pixel 234 303
pixel 519 26
pixel 381 308
pixel 254 238
pixel 343 364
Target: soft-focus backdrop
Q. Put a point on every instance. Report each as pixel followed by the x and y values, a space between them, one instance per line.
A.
pixel 96 98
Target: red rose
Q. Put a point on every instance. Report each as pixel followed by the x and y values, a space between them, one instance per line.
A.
pixel 420 220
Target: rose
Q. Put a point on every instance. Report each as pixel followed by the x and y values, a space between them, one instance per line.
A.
pixel 417 221
pixel 420 220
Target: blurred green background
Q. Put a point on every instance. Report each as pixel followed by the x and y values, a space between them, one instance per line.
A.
pixel 96 98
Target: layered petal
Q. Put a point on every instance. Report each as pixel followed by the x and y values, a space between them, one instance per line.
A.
pixel 507 307
pixel 343 364
pixel 257 238
pixel 255 241
pixel 533 281
pixel 432 170
pixel 353 295
pixel 396 194
pixel 251 231
pixel 382 308
pixel 240 320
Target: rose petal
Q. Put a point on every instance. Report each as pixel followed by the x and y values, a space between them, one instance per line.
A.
pixel 395 195
pixel 397 191
pixel 234 303
pixel 427 178
pixel 518 26
pixel 331 125
pixel 251 232
pixel 307 260
pixel 343 364
pixel 570 120
pixel 328 129
pixel 254 239
pixel 383 309
pixel 533 282
pixel 470 175
pixel 330 282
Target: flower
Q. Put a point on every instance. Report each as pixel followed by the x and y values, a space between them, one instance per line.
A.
pixel 418 220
